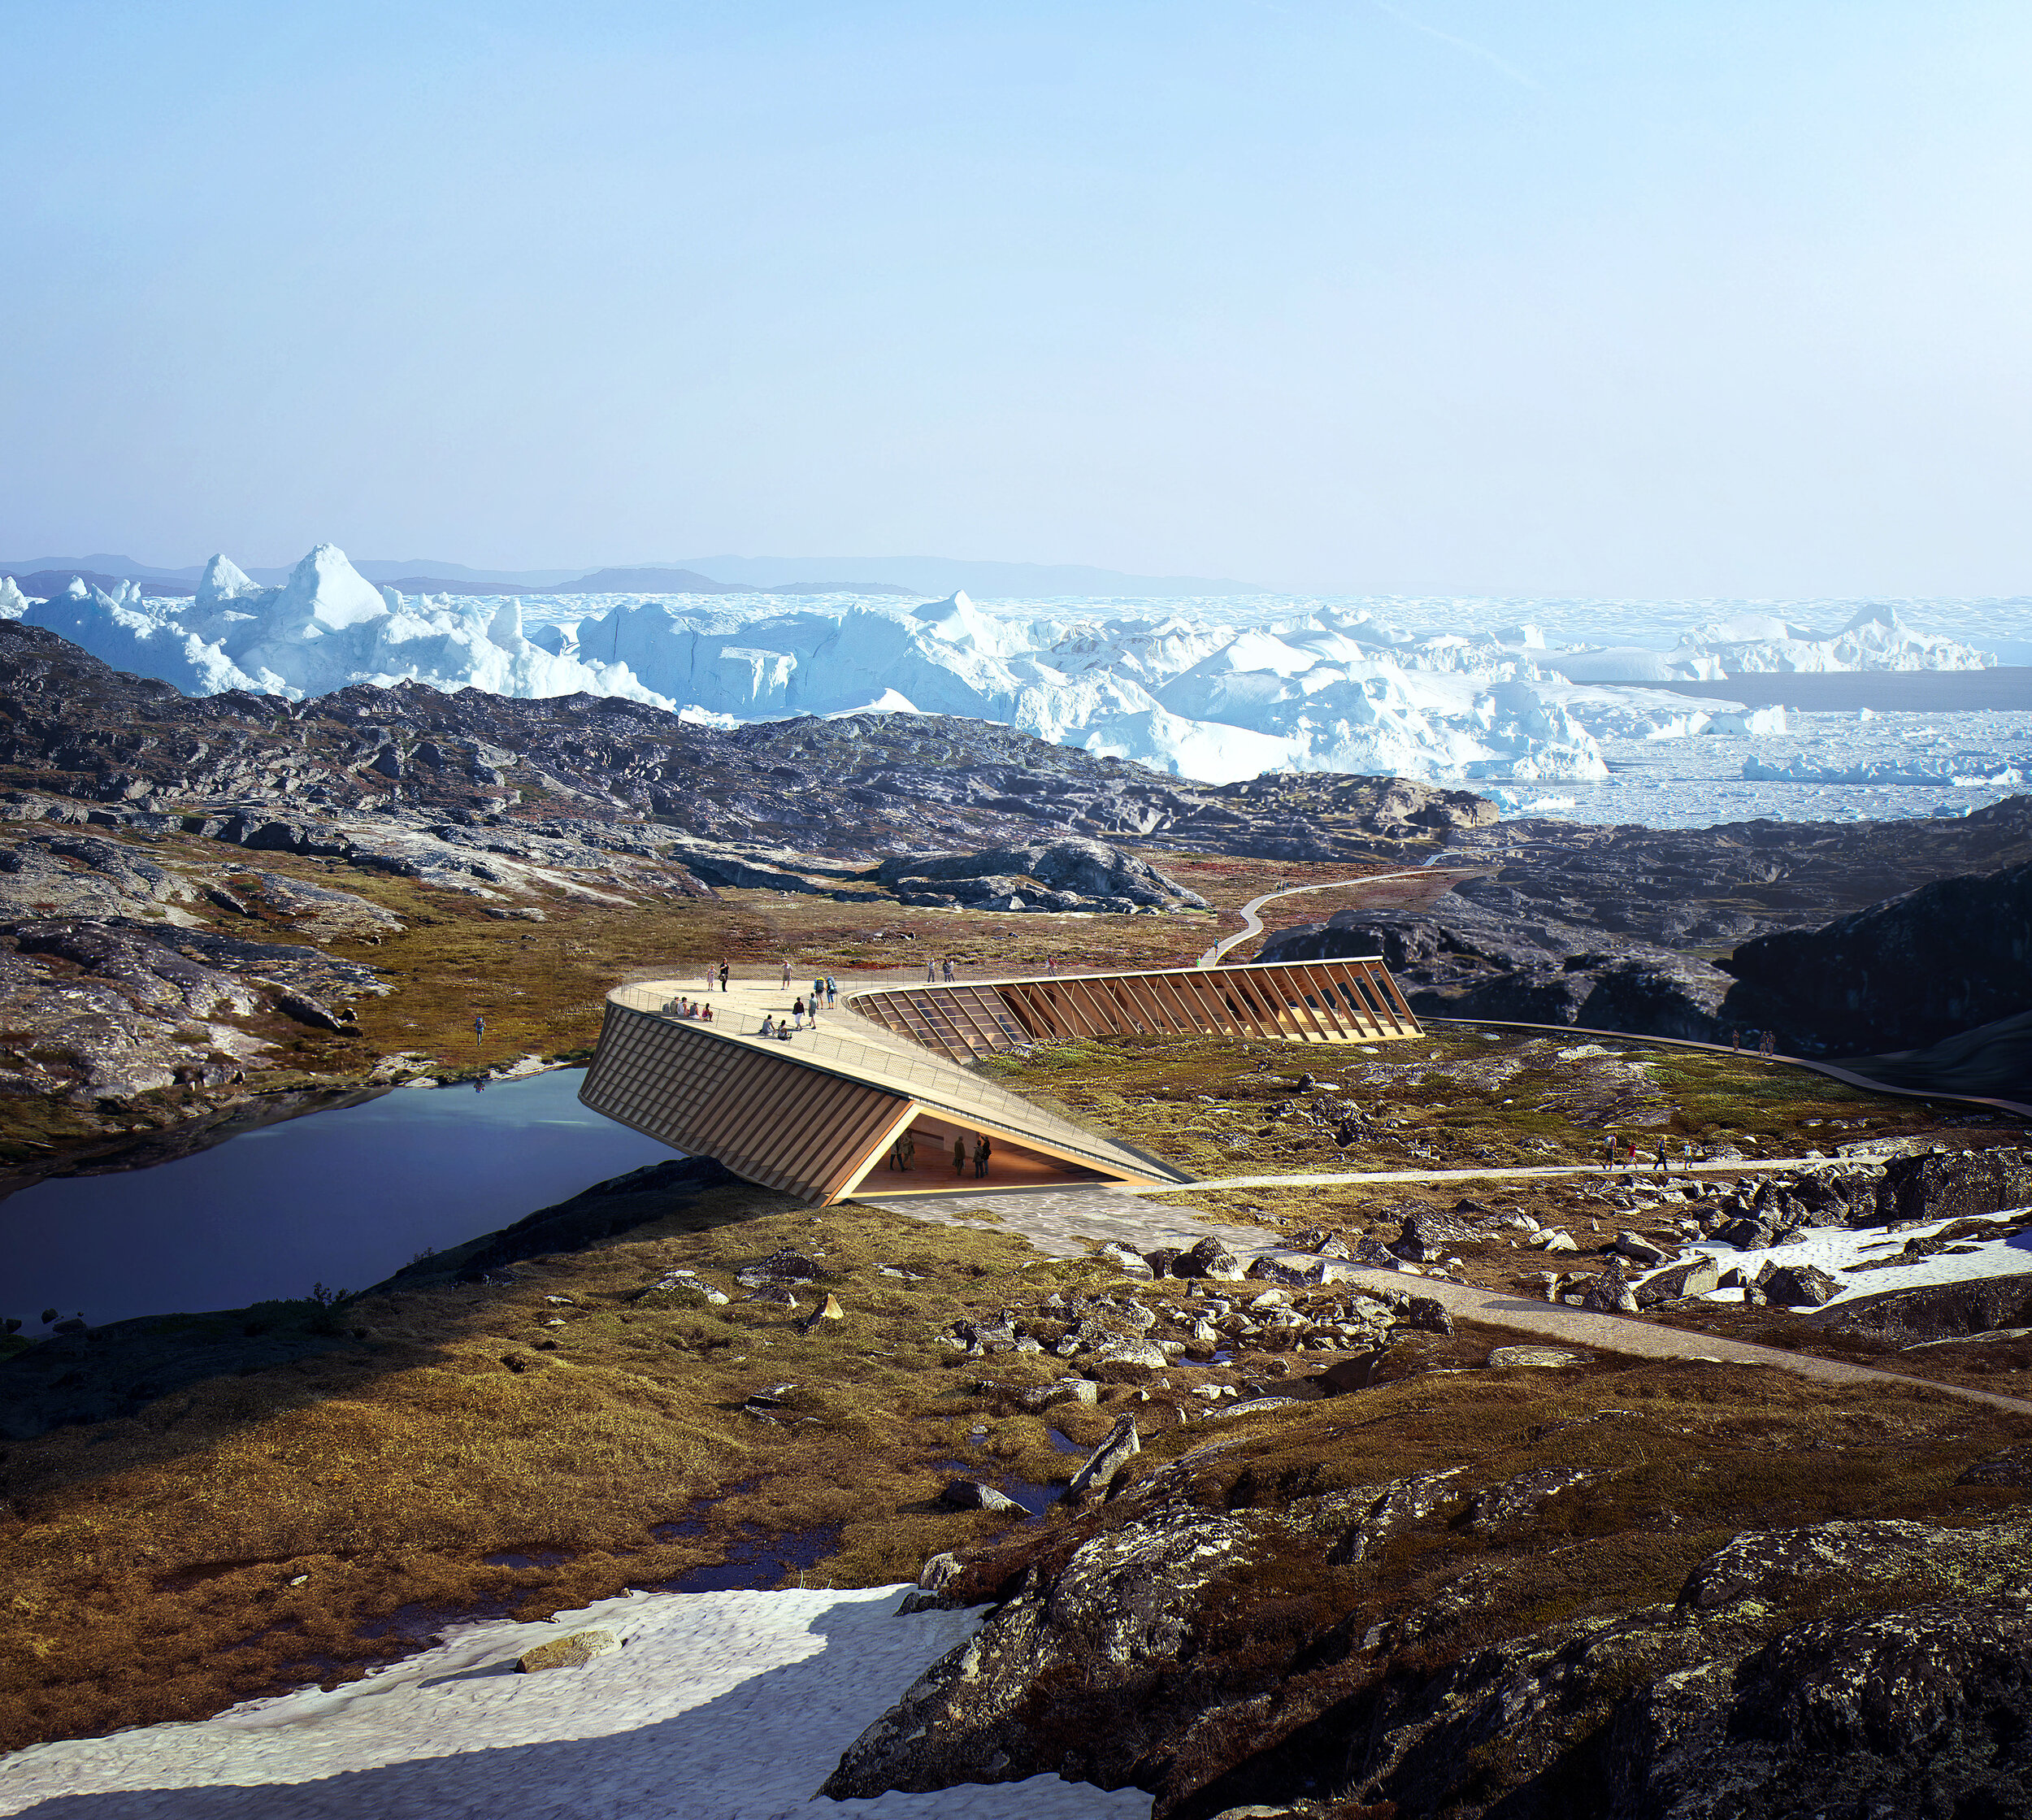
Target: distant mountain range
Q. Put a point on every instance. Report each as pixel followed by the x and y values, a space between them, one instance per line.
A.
pixel 909 577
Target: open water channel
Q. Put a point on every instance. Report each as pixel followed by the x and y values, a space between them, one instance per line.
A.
pixel 343 1197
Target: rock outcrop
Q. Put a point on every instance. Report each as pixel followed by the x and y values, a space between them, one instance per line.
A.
pixel 1120 1658
pixel 1908 971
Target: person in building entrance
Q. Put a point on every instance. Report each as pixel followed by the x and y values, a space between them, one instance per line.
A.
pixel 983 1150
pixel 959 1154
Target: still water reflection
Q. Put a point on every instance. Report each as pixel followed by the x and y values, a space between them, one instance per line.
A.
pixel 343 1198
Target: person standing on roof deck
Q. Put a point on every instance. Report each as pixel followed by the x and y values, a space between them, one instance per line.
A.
pixel 948 970
pixel 797 1014
pixel 959 1154
pixel 724 971
pixel 786 976
pixel 832 992
pixel 931 973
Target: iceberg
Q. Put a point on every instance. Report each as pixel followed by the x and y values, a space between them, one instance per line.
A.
pixel 1198 690
pixel 1745 645
pixel 327 625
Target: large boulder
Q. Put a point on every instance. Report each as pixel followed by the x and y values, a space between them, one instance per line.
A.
pixel 1954 1184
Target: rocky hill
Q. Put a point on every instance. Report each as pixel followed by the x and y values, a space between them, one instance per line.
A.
pixel 859 787
pixel 1591 927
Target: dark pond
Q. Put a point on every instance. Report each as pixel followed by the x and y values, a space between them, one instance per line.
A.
pixel 344 1198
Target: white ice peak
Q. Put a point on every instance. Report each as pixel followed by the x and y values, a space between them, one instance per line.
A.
pixel 1189 692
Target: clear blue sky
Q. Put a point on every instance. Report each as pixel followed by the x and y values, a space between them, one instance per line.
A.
pixel 1687 296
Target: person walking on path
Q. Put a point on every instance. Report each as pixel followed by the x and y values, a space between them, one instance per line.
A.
pixel 724 970
pixel 479 1033
pixel 1735 1040
pixel 1662 1164
pixel 797 1014
pixel 1608 1153
pixel 959 1155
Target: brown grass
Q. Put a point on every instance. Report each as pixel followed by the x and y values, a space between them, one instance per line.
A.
pixel 149 1561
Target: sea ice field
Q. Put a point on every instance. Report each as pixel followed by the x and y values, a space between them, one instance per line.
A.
pixel 1551 707
pixel 717 1706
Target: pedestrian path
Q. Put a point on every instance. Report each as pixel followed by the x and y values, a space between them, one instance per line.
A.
pixel 1253 924
pixel 1070 1222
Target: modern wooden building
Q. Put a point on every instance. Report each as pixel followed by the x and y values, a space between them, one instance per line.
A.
pixel 882 1093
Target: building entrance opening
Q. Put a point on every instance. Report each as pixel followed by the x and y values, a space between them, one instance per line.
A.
pixel 929 1154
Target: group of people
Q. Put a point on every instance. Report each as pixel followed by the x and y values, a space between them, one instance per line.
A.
pixel 931 970
pixel 687 1008
pixel 1766 1041
pixel 1661 1157
pixel 903 1153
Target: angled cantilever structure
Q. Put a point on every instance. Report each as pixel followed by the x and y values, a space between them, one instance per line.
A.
pixel 817 1115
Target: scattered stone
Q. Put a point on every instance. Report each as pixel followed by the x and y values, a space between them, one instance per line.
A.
pixel 1609 1294
pixel 783 1265
pixel 1035 1399
pixel 1695 1277
pixel 1128 1262
pixel 829 1309
pixel 1798 1286
pixel 574 1651
pixel 1127 1361
pixel 1105 1461
pixel 1362 1372
pixel 1639 1250
pixel 931 1580
pixel 971 1494
pixel 1541 1358
pixel 1209 1258
pixel 1428 1314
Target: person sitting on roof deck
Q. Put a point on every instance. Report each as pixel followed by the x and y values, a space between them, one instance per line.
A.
pixel 768 1029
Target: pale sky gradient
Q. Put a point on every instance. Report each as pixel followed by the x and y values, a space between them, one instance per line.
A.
pixel 1690 297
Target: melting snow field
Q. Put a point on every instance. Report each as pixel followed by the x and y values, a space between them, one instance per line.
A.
pixel 1552 707
pixel 1837 1250
pixel 720 1706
